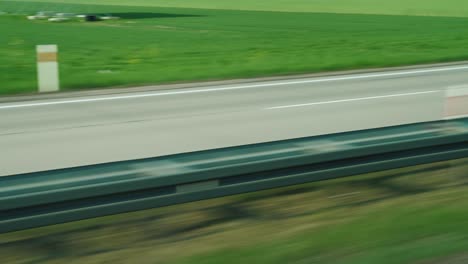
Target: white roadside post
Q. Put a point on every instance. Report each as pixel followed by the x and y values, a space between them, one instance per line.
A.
pixel 456 106
pixel 456 102
pixel 47 68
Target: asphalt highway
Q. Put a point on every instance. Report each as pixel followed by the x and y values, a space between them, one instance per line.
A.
pixel 58 133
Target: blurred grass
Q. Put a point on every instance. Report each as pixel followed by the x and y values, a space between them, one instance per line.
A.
pixel 154 45
pixel 411 215
pixel 395 7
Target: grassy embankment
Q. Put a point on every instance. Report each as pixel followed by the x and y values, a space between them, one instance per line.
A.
pixel 160 45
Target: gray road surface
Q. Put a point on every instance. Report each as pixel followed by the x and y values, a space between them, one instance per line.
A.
pixel 58 133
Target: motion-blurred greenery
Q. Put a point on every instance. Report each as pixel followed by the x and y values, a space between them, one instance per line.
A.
pixel 410 215
pixel 395 7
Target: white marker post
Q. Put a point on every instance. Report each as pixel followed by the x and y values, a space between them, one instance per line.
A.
pixel 47 68
pixel 456 102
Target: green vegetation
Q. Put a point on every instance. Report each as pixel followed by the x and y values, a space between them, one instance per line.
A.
pixel 411 215
pixel 151 45
pixel 394 234
pixel 396 7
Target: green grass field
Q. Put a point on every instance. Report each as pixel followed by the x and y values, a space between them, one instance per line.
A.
pixel 396 7
pixel 152 44
pixel 412 215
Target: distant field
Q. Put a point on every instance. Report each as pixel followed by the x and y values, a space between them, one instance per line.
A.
pixel 151 45
pixel 395 7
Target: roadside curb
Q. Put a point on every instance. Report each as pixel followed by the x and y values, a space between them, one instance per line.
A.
pixel 162 87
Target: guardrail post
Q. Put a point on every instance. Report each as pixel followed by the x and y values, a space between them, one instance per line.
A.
pixel 47 68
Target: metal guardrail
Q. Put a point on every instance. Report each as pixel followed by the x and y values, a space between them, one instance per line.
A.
pixel 58 196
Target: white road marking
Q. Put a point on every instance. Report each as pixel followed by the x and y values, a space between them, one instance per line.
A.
pixel 351 100
pixel 207 90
